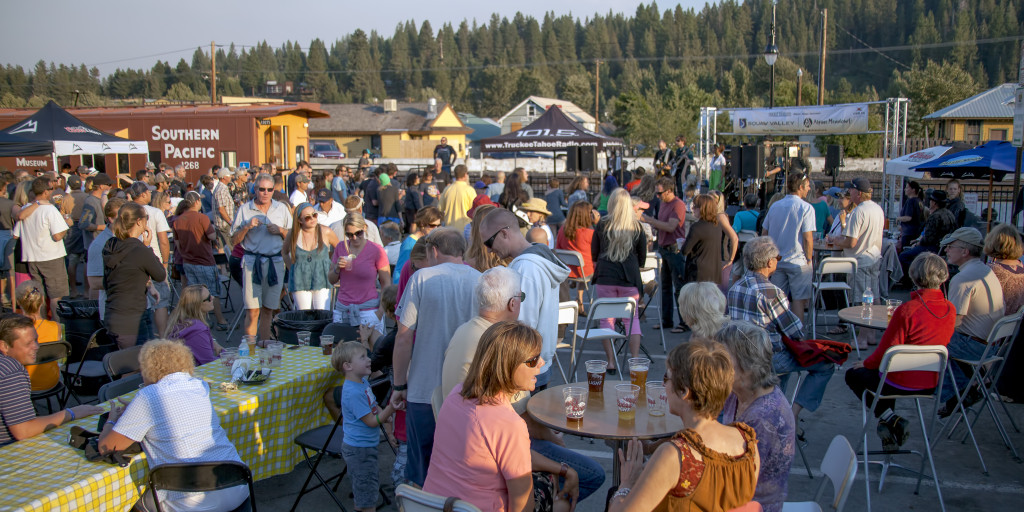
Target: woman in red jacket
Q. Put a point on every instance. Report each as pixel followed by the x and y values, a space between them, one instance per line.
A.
pixel 926 319
pixel 576 235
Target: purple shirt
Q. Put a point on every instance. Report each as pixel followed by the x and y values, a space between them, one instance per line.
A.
pixel 771 417
pixel 197 337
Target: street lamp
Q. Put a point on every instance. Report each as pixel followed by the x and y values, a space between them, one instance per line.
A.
pixel 771 54
pixel 799 77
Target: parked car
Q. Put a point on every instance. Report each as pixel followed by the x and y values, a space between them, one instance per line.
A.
pixel 324 148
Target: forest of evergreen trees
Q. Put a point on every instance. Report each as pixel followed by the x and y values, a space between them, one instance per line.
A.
pixel 658 66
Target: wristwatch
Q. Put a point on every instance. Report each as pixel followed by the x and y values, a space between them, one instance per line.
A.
pixel 400 387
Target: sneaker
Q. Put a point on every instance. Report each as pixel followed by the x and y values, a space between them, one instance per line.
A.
pixel 893 432
pixel 887 436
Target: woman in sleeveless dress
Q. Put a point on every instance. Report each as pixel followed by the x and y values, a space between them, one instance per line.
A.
pixel 307 252
pixel 706 467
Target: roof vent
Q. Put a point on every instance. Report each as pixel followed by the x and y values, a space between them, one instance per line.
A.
pixel 390 105
pixel 431 108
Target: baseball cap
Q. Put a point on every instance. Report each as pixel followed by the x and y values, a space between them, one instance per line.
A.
pixel 102 179
pixel 323 195
pixel 480 200
pixel 74 182
pixel 224 172
pixel 137 189
pixel 160 178
pixel 861 184
pixel 479 184
pixel 150 166
pixel 969 236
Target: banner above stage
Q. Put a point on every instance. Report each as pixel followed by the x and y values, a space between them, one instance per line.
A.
pixel 812 120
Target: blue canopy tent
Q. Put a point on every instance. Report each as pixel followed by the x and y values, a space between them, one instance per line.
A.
pixel 13 145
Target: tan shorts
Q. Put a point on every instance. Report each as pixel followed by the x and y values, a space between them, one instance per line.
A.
pixel 257 295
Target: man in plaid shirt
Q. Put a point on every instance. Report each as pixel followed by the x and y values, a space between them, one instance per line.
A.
pixel 756 300
pixel 224 207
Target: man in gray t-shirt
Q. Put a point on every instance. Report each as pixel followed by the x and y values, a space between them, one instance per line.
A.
pixel 443 295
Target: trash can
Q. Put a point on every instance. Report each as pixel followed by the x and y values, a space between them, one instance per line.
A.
pixel 81 318
pixel 287 323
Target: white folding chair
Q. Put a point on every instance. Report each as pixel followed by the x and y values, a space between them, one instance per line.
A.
pixel 411 499
pixel 615 308
pixel 831 267
pixel 800 376
pixel 650 273
pixel 902 358
pixel 568 314
pixel 575 259
pixel 988 368
pixel 840 466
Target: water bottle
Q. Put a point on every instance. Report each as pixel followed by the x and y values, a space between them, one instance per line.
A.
pixel 867 299
pixel 243 349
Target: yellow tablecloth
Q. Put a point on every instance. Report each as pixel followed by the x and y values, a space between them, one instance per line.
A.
pixel 44 473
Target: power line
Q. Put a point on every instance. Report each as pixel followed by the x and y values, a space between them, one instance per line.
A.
pixel 872 48
pixel 141 57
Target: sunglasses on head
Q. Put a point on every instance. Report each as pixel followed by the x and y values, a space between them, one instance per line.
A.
pixel 533 361
pixel 490 241
pixel 357 234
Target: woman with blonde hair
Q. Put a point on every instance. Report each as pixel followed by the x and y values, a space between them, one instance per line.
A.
pixel 359 265
pixel 1003 245
pixel 30 298
pixel 189 323
pixel 704 243
pixel 129 269
pixel 307 253
pixel 478 255
pixel 702 308
pixel 481 446
pixel 619 249
pixel 174 420
pixel 733 240
pixel 577 234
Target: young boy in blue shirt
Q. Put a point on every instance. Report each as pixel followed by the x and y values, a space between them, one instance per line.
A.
pixel 362 417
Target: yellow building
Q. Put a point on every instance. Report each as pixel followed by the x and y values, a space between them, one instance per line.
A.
pixel 391 129
pixel 981 118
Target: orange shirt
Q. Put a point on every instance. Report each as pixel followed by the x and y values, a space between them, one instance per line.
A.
pixel 45 376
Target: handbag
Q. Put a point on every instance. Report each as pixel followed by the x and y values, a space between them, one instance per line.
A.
pixel 811 352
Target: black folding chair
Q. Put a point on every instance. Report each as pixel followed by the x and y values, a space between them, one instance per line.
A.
pixel 122 362
pixel 342 332
pixel 322 440
pixel 119 387
pixel 75 374
pixel 52 352
pixel 202 477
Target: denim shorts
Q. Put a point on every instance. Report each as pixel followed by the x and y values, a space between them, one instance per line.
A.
pixel 362 469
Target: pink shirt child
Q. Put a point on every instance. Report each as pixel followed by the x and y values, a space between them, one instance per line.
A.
pixel 359 285
pixel 477 448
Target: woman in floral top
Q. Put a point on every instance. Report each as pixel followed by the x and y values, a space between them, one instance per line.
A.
pixel 1003 245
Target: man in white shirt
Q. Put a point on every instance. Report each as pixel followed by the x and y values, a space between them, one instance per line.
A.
pixel 862 239
pixel 42 246
pixel 327 211
pixel 301 193
pixel 790 223
pixel 158 227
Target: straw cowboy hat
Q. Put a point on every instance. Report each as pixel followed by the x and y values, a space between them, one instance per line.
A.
pixel 535 204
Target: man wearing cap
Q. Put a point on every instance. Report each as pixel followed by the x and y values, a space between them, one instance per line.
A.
pixel 301 193
pixel 156 222
pixel 790 222
pixel 159 182
pixel 862 239
pixel 978 298
pixel 939 223
pixel 328 212
pixel 223 207
pixel 457 199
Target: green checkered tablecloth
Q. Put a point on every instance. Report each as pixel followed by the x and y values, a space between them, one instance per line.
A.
pixel 44 473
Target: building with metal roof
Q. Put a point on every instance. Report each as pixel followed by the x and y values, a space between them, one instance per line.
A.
pixel 981 118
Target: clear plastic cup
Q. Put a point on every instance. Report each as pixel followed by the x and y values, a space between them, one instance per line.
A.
pixel 327 344
pixel 250 339
pixel 575 399
pixel 638 368
pixel 228 356
pixel 303 338
pixel 891 305
pixel 596 371
pixel 276 350
pixel 349 258
pixel 656 398
pixel 626 396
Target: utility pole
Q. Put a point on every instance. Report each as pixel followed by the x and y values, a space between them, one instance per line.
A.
pixel 799 84
pixel 597 95
pixel 213 72
pixel 821 59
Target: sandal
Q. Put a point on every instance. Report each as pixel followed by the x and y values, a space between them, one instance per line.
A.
pixel 221 326
pixel 658 327
pixel 679 330
pixel 839 329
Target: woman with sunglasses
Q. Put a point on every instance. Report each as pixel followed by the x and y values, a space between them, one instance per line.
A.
pixel 188 323
pixel 358 266
pixel 426 220
pixel 481 445
pixel 307 254
pixel 129 269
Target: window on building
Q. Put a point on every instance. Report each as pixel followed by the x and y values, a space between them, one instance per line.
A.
pixel 375 142
pixel 531 110
pixel 972 133
pixel 998 134
pixel 228 159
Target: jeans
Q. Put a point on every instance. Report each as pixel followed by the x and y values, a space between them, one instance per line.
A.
pixel 813 386
pixel 419 426
pixel 960 346
pixel 671 284
pixel 908 255
pixel 543 380
pixel 591 473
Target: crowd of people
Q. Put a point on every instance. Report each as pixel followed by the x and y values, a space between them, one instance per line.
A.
pixel 454 286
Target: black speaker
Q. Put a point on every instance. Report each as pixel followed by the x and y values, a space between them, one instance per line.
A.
pixel 833 157
pixel 735 161
pixel 588 158
pixel 572 162
pixel 752 162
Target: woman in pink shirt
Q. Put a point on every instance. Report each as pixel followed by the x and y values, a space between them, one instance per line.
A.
pixel 481 446
pixel 358 265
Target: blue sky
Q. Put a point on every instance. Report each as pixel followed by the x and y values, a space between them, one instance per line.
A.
pixel 120 33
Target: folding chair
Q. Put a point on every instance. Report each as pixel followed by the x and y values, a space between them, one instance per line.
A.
pixel 840 466
pixel 202 477
pixel 227 305
pixel 607 308
pixel 985 373
pixel 119 363
pixel 119 387
pixel 792 398
pixel 411 499
pixel 52 352
pixel 86 368
pixel 568 314
pixel 902 358
pixel 322 440
pixel 652 291
pixel 341 332
pixel 831 267
pixel 575 259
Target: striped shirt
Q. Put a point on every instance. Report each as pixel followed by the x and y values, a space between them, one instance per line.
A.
pixel 15 404
pixel 756 300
